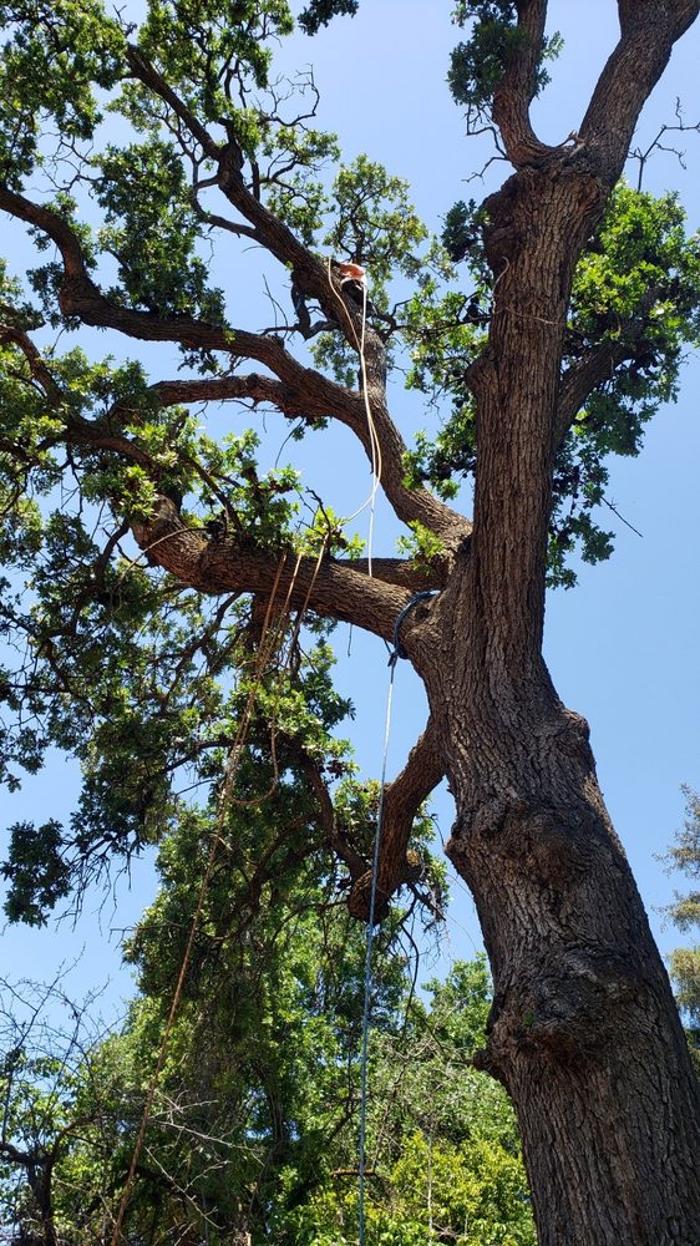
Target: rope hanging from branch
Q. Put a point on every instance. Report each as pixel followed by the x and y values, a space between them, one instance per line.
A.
pixel 350 272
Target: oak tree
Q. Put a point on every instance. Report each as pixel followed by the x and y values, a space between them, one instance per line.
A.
pixel 125 150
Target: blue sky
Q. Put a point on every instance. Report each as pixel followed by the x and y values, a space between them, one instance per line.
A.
pixel 622 646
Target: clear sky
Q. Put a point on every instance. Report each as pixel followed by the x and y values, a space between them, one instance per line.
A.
pixel 622 646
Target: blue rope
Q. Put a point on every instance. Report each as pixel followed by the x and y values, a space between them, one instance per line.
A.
pixel 368 963
pixel 398 652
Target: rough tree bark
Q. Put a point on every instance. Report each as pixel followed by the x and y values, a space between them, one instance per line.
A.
pixel 584 1032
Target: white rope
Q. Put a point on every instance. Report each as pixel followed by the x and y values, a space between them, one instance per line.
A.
pixel 398 652
pixel 374 445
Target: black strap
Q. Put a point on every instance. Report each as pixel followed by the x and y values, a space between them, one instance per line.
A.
pixel 399 651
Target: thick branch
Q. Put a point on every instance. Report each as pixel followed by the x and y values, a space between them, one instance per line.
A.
pixel 150 77
pixel 599 364
pixel 404 572
pixel 332 589
pixel 649 30
pixel 79 296
pixel 25 1159
pixel 402 800
pixel 396 571
pixel 515 92
pixel 539 222
pixel 38 369
pixel 309 400
pixel 310 272
pixel 582 378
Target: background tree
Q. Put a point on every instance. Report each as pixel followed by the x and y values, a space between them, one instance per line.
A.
pixel 252 1136
pixel 684 855
pixel 554 348
pixel 59 1097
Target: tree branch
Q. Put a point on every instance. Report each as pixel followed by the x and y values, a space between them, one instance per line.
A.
pixel 538 224
pixel 25 1159
pixel 396 571
pixel 582 378
pixel 598 365
pixel 312 280
pixel 333 589
pixel 79 296
pixel 307 391
pixel 309 271
pixel 309 400
pixel 336 839
pixel 148 74
pixel 648 31
pixel 10 332
pixel 516 90
pixel 402 799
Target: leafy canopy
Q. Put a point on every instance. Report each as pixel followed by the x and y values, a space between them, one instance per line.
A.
pixel 104 657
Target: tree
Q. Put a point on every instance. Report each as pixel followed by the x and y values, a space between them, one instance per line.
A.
pixel 684 855
pixel 442 1136
pixel 251 1137
pixel 58 1095
pixel 581 298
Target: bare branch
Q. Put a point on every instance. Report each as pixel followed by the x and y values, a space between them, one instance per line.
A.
pixel 611 506
pixel 404 572
pixel 681 127
pixel 222 222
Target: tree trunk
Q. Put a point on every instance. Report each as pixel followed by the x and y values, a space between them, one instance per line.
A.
pixel 583 1032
